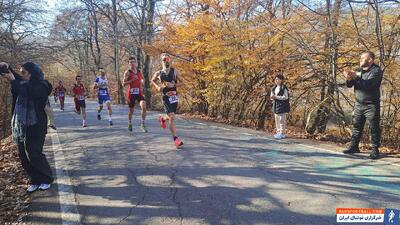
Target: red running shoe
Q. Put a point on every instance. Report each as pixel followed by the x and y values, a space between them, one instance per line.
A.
pixel 178 142
pixel 162 122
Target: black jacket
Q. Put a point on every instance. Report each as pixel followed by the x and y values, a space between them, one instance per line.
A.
pixel 281 106
pixel 38 91
pixel 367 85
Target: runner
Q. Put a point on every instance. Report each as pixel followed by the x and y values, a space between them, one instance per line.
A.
pixel 55 95
pixel 168 77
pixel 60 89
pixel 101 83
pixel 79 93
pixel 133 80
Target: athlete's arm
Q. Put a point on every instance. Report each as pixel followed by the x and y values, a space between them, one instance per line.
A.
pixel 109 85
pixel 96 85
pixel 154 80
pixel 126 77
pixel 142 86
pixel 182 81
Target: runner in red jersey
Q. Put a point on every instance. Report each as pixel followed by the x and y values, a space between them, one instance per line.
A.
pixel 60 89
pixel 133 80
pixel 79 92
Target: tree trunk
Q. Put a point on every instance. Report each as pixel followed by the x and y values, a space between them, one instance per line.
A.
pixel 94 36
pixel 319 123
pixel 147 62
pixel 121 96
pixel 262 115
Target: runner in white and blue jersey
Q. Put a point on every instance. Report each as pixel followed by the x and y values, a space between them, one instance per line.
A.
pixel 101 83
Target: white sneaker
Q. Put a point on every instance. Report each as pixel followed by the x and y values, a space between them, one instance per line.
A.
pixel 44 187
pixel 279 136
pixel 32 188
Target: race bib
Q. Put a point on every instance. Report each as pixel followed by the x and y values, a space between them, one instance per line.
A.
pixel 358 73
pixel 135 91
pixel 80 97
pixel 173 99
pixel 102 92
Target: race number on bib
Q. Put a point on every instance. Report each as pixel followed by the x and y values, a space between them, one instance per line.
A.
pixel 135 91
pixel 102 92
pixel 173 99
pixel 80 97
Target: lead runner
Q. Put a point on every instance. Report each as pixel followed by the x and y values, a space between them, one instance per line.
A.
pixel 166 81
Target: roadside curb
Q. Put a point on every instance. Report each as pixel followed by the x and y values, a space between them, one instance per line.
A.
pixel 68 206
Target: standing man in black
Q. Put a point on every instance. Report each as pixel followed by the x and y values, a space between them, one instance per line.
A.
pixel 366 82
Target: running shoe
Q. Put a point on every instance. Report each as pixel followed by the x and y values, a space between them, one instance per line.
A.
pixel 178 142
pixel 53 127
pixel 111 123
pixel 162 122
pixel 130 127
pixel 98 117
pixel 144 128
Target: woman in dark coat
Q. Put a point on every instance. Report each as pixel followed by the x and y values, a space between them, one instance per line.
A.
pixel 29 123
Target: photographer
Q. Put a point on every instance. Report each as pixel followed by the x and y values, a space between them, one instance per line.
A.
pixel 366 82
pixel 29 123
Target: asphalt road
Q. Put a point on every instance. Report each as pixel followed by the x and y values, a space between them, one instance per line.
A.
pixel 223 175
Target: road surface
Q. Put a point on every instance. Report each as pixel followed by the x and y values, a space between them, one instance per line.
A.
pixel 223 175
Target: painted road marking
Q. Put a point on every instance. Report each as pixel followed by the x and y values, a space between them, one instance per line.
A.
pixel 68 205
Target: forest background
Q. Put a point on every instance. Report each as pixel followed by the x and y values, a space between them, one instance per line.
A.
pixel 229 51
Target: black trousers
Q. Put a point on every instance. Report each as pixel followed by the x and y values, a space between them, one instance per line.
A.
pixel 32 158
pixel 372 114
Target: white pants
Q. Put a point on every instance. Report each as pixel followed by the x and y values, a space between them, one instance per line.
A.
pixel 280 122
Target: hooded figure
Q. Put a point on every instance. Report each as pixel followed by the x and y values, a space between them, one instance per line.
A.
pixel 29 123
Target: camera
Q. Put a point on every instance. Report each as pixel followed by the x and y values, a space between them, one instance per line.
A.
pixel 3 69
